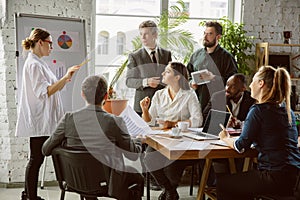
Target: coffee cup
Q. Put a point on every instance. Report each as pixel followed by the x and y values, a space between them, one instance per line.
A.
pixel 175 132
pixel 183 126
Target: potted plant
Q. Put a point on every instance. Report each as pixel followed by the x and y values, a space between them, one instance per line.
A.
pixel 179 41
pixel 112 104
pixel 235 40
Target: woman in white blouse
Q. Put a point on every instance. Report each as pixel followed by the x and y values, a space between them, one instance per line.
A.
pixel 40 106
pixel 176 102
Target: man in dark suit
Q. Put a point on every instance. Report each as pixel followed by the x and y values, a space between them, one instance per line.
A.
pixel 146 65
pixel 235 96
pixel 104 135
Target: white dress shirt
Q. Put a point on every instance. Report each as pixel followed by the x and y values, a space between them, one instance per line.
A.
pixel 38 114
pixel 145 80
pixel 184 106
pixel 236 106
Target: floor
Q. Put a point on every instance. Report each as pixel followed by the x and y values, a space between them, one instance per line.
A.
pixel 53 193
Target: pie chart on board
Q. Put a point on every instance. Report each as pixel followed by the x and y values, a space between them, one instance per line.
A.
pixel 64 41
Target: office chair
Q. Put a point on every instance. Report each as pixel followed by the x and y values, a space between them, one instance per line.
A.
pixel 296 195
pixel 78 171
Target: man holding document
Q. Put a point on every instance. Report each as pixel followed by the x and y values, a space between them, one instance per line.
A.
pixel 104 135
pixel 211 66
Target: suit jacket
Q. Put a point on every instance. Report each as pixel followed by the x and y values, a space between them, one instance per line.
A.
pixel 140 66
pixel 104 135
pixel 218 100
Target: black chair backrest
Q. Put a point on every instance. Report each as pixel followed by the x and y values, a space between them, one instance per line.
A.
pixel 79 171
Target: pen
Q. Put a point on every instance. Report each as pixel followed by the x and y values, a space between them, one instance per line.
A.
pixel 222 127
pixel 229 110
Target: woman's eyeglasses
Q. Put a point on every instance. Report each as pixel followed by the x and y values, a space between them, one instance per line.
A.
pixel 50 42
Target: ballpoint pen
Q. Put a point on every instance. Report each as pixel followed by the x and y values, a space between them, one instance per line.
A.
pixel 229 110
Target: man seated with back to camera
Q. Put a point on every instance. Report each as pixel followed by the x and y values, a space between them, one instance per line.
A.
pixel 104 135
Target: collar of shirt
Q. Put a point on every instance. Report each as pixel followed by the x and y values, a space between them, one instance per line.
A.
pixel 150 50
pixel 236 106
pixel 178 94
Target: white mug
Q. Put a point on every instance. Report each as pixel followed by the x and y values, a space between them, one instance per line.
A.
pixel 175 131
pixel 183 126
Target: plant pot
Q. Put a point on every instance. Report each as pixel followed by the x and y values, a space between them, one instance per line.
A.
pixel 115 106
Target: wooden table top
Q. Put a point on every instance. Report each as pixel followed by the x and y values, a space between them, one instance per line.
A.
pixel 185 148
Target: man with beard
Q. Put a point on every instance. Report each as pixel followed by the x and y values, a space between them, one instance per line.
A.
pixel 238 100
pixel 235 96
pixel 217 60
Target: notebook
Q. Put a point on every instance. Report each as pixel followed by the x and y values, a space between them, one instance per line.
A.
pixel 211 128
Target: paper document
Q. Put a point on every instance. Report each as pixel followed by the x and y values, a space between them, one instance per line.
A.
pixel 134 123
pixel 197 79
pixel 220 143
pixel 196 129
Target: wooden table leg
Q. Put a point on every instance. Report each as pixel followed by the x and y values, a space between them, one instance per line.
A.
pixel 246 165
pixel 204 178
pixel 232 166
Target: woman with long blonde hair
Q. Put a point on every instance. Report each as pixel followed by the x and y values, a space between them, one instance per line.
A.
pixel 271 128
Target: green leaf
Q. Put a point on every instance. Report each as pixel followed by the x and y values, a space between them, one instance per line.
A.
pixel 179 42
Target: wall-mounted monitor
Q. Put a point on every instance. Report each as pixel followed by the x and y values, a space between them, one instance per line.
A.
pixel 280 60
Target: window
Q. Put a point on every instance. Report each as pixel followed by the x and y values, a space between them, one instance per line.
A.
pixel 206 9
pixel 121 43
pixel 103 42
pixel 120 20
pixel 128 7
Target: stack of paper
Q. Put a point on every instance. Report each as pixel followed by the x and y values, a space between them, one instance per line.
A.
pixel 135 124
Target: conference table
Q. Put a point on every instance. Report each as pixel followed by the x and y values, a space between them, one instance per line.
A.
pixel 188 149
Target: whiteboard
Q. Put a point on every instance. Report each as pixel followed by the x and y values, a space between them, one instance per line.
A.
pixel 69 48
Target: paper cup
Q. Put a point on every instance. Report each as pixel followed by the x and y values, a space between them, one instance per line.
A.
pixel 183 126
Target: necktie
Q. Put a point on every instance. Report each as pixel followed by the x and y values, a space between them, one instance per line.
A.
pixel 153 57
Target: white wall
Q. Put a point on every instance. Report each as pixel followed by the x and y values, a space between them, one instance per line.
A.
pixel 14 151
pixel 267 19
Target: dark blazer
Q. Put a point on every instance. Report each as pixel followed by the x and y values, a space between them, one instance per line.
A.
pixel 140 66
pixel 218 100
pixel 104 135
